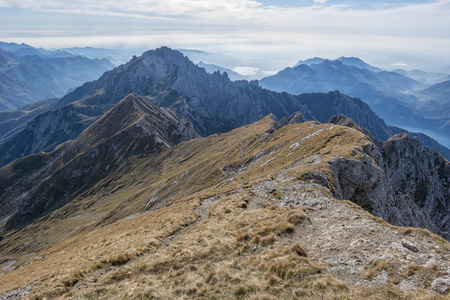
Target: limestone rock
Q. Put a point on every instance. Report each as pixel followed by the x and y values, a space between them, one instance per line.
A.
pixel 422 174
pixel 295 118
pixel 441 285
pixel 409 245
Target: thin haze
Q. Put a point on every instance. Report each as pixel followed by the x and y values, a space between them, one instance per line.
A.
pixel 266 34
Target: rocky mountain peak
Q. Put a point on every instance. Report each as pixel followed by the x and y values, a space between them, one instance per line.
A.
pixel 400 136
pixel 343 120
pixel 134 112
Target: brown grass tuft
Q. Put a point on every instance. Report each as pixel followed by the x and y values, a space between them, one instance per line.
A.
pixel 299 250
pixel 120 260
pixel 297 217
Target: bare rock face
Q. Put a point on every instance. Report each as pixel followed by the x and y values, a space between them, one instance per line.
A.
pixel 343 120
pixel 414 180
pixel 422 174
pixel 365 182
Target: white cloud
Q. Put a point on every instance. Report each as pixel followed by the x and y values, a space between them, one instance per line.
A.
pixel 245 70
pixel 283 34
pixel 320 1
pixel 399 65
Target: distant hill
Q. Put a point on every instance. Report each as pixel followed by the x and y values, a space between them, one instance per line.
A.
pixel 29 74
pixel 24 50
pixel 349 61
pixel 117 57
pixel 15 93
pixel 59 75
pixel 437 101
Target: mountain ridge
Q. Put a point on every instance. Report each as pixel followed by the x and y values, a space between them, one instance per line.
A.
pixel 211 102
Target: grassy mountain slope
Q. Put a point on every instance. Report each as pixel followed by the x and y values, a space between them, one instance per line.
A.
pixel 249 213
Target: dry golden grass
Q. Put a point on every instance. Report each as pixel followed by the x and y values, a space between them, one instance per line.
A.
pixel 205 235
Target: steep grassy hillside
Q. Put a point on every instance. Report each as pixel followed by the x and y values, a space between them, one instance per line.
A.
pixel 253 213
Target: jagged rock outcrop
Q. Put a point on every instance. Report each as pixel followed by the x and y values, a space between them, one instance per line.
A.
pixel 420 173
pixel 132 128
pixel 365 182
pixel 295 118
pixel 423 174
pixel 425 140
pixel 343 120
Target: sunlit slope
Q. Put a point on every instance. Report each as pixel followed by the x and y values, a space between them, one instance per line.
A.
pixel 251 213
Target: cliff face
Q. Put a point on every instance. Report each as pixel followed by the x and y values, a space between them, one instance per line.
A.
pixel 364 182
pixel 422 174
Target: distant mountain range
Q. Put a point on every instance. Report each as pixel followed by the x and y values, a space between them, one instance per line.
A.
pixel 348 61
pixel 29 74
pixel 28 52
pixel 437 101
pixel 398 99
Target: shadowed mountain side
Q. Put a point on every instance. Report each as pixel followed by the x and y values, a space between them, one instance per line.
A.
pixel 12 122
pixel 421 173
pixel 437 101
pixel 425 140
pixel 132 128
pixel 417 171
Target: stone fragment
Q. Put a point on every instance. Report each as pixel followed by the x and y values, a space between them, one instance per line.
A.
pixel 441 285
pixel 410 246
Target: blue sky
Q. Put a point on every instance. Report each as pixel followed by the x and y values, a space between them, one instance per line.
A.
pixel 263 33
